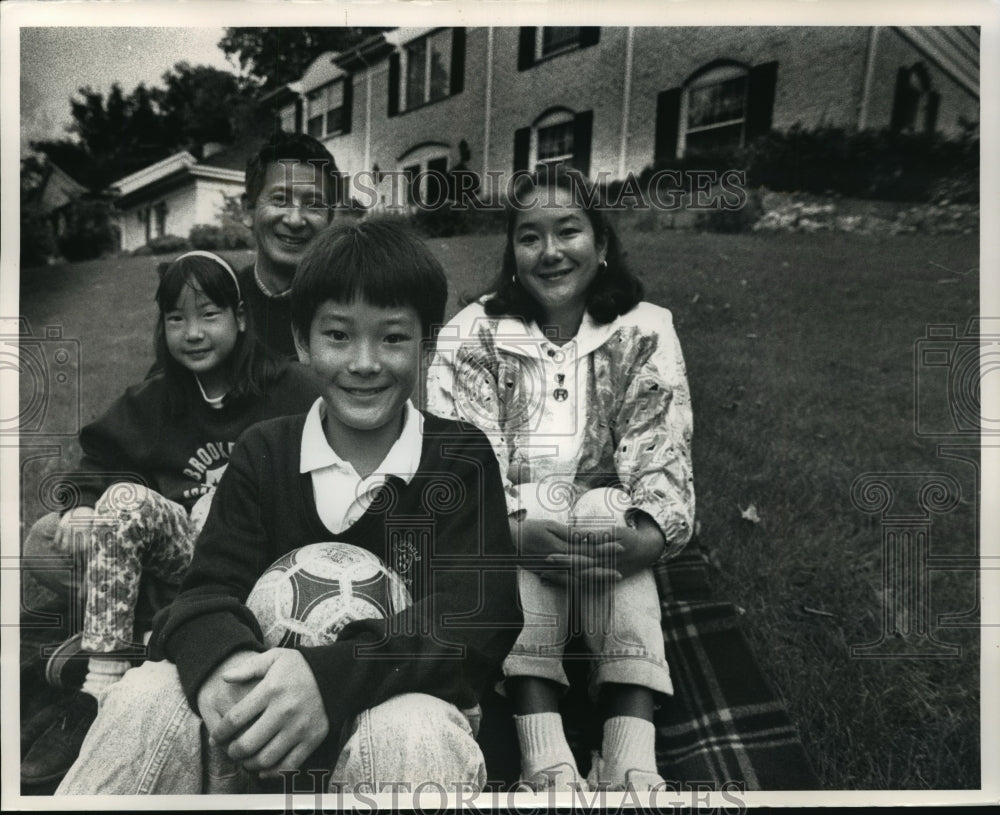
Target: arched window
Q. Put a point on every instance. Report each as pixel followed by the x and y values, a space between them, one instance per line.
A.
pixel 714 108
pixel 558 136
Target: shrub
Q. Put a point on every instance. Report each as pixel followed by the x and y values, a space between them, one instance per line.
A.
pixel 168 244
pixel 447 221
pixel 206 236
pixel 733 220
pixel 91 232
pixel 234 233
pixel 38 242
pixel 875 164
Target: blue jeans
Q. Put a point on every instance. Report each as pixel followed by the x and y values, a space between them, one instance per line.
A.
pixel 620 626
pixel 147 741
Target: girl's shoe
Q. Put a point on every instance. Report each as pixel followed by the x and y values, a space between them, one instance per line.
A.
pixel 557 778
pixel 67 666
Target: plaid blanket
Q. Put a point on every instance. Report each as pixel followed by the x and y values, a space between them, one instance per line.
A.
pixel 723 725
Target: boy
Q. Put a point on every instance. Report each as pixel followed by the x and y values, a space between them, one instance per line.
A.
pixel 292 188
pixel 392 701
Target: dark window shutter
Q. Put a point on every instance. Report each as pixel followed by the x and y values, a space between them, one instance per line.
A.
pixel 298 115
pixel 394 83
pixel 457 60
pixel 582 126
pixel 900 101
pixel 933 102
pixel 526 48
pixel 590 35
pixel 760 99
pixel 345 116
pixel 522 144
pixel 668 122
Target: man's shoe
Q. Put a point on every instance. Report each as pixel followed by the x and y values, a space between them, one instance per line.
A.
pixel 54 752
pixel 67 666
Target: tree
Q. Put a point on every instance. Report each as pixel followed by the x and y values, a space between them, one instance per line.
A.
pixel 123 133
pixel 276 56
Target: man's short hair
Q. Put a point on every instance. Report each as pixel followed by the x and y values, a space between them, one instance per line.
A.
pixel 291 147
pixel 377 261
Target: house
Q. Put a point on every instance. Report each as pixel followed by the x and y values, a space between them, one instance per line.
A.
pixel 55 195
pixel 177 193
pixel 612 101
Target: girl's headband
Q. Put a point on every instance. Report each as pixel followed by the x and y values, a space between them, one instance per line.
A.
pixel 201 253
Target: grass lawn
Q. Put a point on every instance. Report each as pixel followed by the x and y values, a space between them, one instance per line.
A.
pixel 800 354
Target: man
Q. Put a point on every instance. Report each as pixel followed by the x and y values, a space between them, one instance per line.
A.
pixel 292 187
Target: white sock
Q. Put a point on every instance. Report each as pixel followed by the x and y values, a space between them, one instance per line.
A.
pixel 629 744
pixel 102 673
pixel 543 743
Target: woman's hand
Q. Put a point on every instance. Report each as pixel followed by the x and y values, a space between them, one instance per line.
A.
pixel 571 558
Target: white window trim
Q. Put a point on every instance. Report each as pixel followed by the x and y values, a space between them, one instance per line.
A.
pixel 422 157
pixel 558 117
pixel 308 117
pixel 539 36
pixel 404 64
pixel 711 77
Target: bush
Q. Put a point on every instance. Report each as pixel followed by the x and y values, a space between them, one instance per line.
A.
pixel 876 164
pixel 168 244
pixel 447 221
pixel 38 243
pixel 733 220
pixel 205 236
pixel 91 232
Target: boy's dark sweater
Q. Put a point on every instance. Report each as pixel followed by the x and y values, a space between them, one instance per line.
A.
pixel 179 454
pixel 445 534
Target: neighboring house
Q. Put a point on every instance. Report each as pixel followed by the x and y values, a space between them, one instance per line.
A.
pixel 615 100
pixel 55 195
pixel 173 195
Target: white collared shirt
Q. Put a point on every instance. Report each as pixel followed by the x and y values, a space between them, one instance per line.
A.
pixel 342 496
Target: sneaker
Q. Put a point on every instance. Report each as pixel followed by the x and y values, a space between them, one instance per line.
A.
pixel 67 666
pixel 557 778
pixel 54 752
pixel 634 781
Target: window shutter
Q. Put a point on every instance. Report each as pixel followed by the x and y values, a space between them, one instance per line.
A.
pixel 582 126
pixel 590 35
pixel 394 83
pixel 760 99
pixel 298 115
pixel 345 116
pixel 900 101
pixel 457 60
pixel 668 122
pixel 526 48
pixel 522 144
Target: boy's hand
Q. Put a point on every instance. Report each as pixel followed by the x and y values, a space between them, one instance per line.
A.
pixel 78 521
pixel 279 723
pixel 217 695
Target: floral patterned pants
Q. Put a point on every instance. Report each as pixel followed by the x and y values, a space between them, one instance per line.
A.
pixel 139 531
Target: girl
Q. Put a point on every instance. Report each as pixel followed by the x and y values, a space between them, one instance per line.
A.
pixel 149 467
pixel 581 387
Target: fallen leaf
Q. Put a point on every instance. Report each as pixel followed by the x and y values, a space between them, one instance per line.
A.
pixel 749 514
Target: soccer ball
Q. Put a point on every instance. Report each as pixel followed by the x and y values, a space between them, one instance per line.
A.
pixel 308 595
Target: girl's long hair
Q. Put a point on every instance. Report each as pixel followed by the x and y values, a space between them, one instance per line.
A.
pixel 252 366
pixel 615 289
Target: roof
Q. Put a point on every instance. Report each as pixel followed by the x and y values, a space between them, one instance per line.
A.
pixel 177 170
pixel 234 157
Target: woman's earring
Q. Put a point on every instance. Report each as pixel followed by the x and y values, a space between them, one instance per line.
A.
pixel 603 264
pixel 513 279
